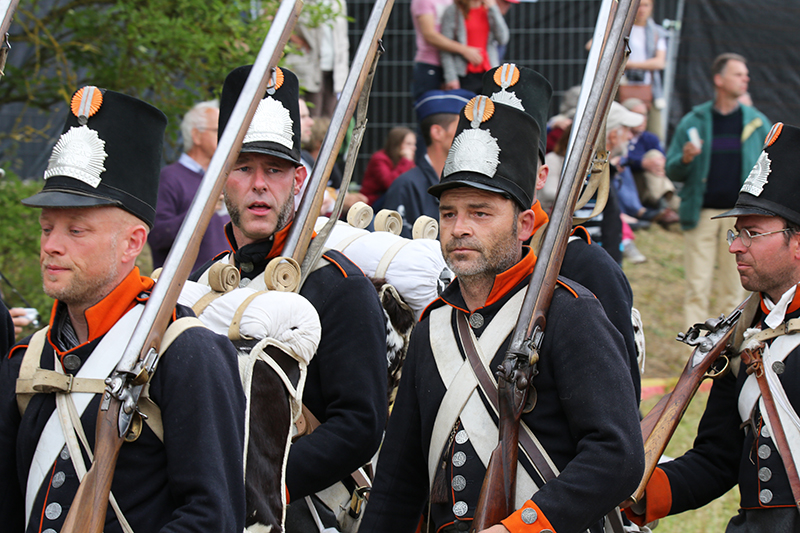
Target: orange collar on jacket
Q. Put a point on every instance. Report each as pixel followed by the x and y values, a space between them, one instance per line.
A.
pixel 102 316
pixel 793 306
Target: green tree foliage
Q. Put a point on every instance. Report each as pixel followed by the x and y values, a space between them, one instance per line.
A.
pixel 19 246
pixel 171 53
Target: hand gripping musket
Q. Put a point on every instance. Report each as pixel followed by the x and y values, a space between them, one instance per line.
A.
pixel 709 359
pixel 355 94
pixel 87 514
pixel 496 501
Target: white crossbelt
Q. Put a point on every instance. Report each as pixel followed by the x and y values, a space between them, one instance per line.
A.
pixel 462 398
pixel 99 365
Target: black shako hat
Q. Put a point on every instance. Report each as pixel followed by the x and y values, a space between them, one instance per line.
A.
pixel 492 151
pixel 523 89
pixel 275 128
pixel 108 154
pixel 773 186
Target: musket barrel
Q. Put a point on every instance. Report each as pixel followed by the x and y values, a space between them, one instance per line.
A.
pixel 576 166
pixel 183 254
pixel 300 233
pixel 602 78
pixel 88 510
pixel 7 8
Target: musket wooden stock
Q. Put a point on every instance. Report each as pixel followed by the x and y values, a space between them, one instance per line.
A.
pixel 497 506
pixel 87 513
pixel 497 498
pixel 96 485
pixel 660 423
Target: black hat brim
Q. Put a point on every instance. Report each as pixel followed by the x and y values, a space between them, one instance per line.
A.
pixel 437 190
pixel 56 198
pixel 481 182
pixel 745 211
pixel 268 149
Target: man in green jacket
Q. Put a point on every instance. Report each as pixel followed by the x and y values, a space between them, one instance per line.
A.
pixel 712 151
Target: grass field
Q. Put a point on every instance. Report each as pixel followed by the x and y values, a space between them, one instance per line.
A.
pixel 658 288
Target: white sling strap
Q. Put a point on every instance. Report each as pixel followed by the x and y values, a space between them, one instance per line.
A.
pixel 462 398
pixel 103 360
pixel 73 430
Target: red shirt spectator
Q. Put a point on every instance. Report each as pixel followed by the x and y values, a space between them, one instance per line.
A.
pixel 385 165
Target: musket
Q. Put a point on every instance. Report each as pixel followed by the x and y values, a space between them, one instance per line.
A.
pixel 7 8
pixel 660 423
pixel 355 93
pixel 87 514
pixel 497 499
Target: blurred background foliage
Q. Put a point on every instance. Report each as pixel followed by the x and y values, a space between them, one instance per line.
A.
pixel 170 53
pixel 19 248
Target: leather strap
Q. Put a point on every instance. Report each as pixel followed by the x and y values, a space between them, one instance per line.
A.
pixel 490 389
pixel 30 362
pixel 752 358
pixel 50 381
pixel 236 321
pixel 201 304
pixel 613 519
pixel 786 328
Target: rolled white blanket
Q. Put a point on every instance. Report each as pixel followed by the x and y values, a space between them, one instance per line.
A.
pixel 284 316
pixel 414 270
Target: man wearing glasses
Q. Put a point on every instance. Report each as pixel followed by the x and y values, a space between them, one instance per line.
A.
pixel 750 432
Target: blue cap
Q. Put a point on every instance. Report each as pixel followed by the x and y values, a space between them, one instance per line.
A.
pixel 433 102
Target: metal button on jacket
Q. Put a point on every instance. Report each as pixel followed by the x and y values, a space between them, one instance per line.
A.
pixel 476 320
pixel 764 474
pixel 529 516
pixel 459 458
pixel 72 362
pixel 460 508
pixel 765 431
pixel 52 511
pixel 459 483
pixel 778 367
pixel 765 496
pixel 64 454
pixel 462 525
pixel 764 451
pixel 462 437
pixel 58 479
pixel 49 530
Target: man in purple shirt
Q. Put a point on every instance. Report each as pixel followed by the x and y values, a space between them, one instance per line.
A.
pixel 179 183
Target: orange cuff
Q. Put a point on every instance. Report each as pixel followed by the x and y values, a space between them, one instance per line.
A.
pixel 658 498
pixel 529 519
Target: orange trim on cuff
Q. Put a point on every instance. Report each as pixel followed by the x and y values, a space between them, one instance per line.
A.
pixel 515 524
pixel 658 496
